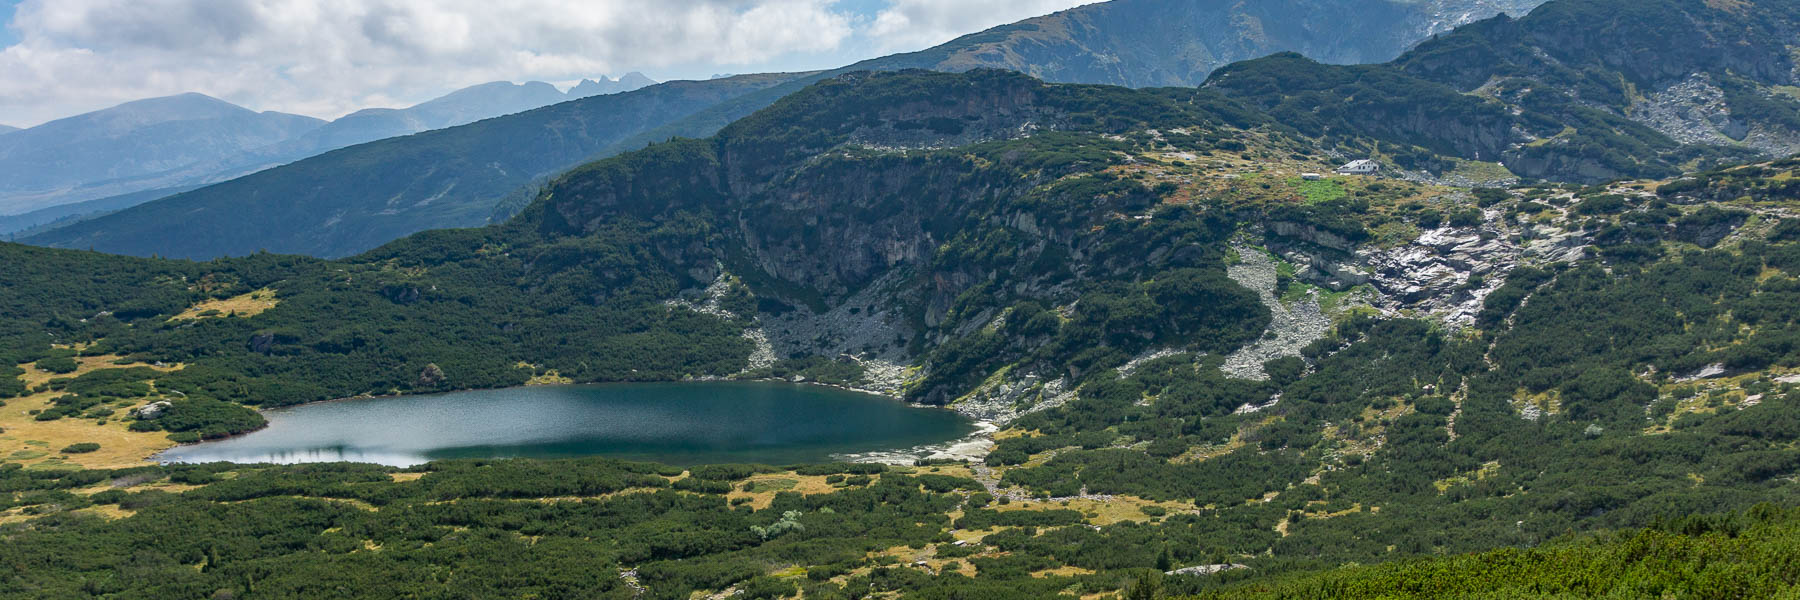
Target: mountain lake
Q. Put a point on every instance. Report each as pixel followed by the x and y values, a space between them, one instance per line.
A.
pixel 675 423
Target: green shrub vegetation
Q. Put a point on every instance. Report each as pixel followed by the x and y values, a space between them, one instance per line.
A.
pixel 1733 555
pixel 1448 458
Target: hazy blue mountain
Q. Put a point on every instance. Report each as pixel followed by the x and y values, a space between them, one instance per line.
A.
pixel 112 191
pixel 45 219
pixel 460 107
pixel 352 199
pixel 5 129
pixel 43 165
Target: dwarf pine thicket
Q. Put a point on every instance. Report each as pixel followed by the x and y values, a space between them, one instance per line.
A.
pixel 1622 423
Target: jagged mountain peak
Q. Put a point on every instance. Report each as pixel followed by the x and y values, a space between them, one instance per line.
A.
pixel 606 85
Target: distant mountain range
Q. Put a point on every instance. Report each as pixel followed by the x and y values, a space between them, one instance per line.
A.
pixel 348 202
pixel 110 157
pixel 41 165
pixel 5 129
pixel 356 198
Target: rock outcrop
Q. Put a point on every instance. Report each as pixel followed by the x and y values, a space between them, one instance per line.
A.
pixel 151 411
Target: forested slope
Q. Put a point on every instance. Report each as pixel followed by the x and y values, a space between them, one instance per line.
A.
pixel 1734 555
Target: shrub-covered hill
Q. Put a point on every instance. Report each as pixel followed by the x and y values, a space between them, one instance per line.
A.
pixel 1195 348
pixel 1735 555
pixel 604 529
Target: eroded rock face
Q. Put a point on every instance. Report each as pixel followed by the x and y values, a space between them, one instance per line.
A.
pixel 1291 326
pixel 1445 273
pixel 1695 111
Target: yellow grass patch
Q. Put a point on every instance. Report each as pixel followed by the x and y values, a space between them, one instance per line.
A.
pixel 1711 396
pixel 1312 512
pixel 404 477
pixel 242 305
pixel 550 377
pixel 1063 571
pixel 1100 512
pixel 34 376
pixel 764 487
pixel 37 444
pixel 110 512
pixel 1371 431
pixel 961 470
pixel 1203 453
pixel 972 535
pixel 1006 434
pixel 1548 401
pixel 623 492
pixel 1487 469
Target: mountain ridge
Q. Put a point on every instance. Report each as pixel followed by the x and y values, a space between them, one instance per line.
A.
pixel 187 171
pixel 137 237
pixel 435 196
pixel 133 139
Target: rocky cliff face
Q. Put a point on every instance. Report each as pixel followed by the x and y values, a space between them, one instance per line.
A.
pixel 1576 90
pixel 883 216
pixel 1629 78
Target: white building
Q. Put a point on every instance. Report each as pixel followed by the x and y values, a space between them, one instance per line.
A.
pixel 1360 167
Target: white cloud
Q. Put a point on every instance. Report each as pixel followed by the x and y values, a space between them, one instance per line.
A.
pixel 328 57
pixel 917 24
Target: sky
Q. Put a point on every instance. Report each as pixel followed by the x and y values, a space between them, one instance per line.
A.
pixel 327 58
